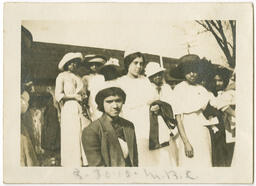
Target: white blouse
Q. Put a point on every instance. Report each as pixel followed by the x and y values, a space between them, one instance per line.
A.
pixel 190 98
pixel 165 94
pixel 224 99
pixel 67 83
pixel 95 82
pixel 124 147
pixel 138 91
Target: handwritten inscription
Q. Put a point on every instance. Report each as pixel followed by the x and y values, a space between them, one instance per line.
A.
pixel 101 173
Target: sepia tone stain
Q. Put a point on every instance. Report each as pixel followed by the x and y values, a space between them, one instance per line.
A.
pixel 44 28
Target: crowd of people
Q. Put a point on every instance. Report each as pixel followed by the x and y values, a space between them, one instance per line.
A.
pixel 133 118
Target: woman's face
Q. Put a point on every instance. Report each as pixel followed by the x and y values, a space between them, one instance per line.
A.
pixel 136 67
pixel 191 77
pixel 94 67
pixel 72 67
pixel 157 79
pixel 219 82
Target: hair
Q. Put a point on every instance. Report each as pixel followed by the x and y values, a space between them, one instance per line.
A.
pixel 104 93
pixel 75 60
pixel 192 67
pixel 224 75
pixel 206 72
pixel 129 59
pixel 204 68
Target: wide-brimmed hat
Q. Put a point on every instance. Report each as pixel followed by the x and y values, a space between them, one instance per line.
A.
pixel 111 66
pixel 112 62
pixel 190 62
pixel 153 68
pixel 68 57
pixel 93 58
pixel 222 70
pixel 205 69
pixel 224 67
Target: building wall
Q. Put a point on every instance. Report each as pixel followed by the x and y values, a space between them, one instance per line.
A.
pixel 43 61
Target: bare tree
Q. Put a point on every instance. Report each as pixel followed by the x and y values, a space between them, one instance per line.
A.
pixel 225 35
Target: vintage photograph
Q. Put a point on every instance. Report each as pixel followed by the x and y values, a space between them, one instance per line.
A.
pixel 130 92
pixel 122 108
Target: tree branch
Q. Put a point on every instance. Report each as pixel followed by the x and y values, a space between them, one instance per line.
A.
pixel 213 23
pixel 222 43
pixel 203 25
pixel 222 34
pixel 219 29
pixel 231 46
pixel 226 51
pixel 216 28
pixel 215 35
pixel 233 28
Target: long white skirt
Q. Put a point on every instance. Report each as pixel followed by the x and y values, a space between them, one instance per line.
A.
pixel 72 124
pixel 199 137
pixel 147 158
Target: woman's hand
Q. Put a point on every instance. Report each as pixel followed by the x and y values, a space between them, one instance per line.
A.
pixel 78 97
pixel 189 152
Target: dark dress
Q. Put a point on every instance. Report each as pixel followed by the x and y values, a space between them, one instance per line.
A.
pixel 50 137
pixel 222 152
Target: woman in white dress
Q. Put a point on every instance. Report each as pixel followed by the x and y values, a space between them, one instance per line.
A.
pixel 190 99
pixel 136 109
pixel 95 81
pixel 69 91
pixel 167 154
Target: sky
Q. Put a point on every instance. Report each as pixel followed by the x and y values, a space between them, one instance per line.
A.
pixel 168 38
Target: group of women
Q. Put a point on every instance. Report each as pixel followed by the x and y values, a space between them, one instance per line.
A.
pixel 197 106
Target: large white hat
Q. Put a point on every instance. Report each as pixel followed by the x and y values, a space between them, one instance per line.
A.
pixel 153 68
pixel 68 57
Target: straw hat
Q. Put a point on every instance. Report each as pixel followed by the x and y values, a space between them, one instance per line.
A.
pixel 93 58
pixel 68 57
pixel 153 68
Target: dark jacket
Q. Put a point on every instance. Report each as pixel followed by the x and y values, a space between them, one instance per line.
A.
pixel 102 147
pixel 167 114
